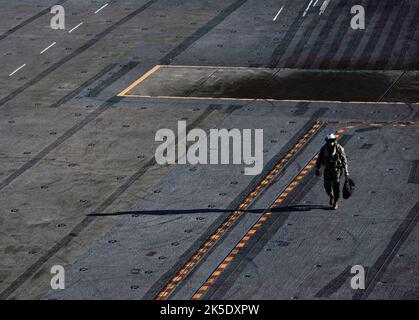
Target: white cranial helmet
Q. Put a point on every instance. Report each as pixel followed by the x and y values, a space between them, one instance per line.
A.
pixel 330 136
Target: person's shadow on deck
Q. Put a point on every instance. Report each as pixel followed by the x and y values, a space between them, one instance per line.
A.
pixel 294 208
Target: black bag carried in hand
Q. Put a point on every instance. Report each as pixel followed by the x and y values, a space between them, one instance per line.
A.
pixel 348 188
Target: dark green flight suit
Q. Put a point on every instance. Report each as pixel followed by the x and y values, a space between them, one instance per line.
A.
pixel 335 162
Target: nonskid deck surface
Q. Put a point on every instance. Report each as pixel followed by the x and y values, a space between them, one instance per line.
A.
pixel 294 85
pixel 81 188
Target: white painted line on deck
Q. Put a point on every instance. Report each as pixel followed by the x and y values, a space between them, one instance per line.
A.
pixel 280 10
pixel 52 44
pixel 17 70
pixel 308 7
pixel 315 3
pixel 102 7
pixel 324 6
pixel 75 27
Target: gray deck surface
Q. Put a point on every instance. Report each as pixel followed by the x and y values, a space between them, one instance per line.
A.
pixel 79 185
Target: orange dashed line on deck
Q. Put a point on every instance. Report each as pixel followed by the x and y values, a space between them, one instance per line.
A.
pixel 243 242
pixel 199 254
